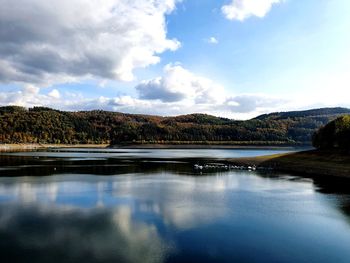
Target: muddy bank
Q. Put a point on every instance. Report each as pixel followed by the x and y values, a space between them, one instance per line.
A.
pixel 317 163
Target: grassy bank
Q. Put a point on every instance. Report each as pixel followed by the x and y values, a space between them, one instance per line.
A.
pixel 37 146
pixel 320 163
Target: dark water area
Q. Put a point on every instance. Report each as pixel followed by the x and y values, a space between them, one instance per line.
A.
pixel 88 205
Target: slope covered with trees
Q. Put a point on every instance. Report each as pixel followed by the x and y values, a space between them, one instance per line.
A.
pixel 335 135
pixel 45 125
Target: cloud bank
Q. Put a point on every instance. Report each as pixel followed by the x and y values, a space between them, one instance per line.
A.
pixel 177 91
pixel 180 91
pixel 48 42
pixel 243 9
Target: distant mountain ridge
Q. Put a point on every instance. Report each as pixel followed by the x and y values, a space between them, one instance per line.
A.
pixel 46 125
pixel 305 113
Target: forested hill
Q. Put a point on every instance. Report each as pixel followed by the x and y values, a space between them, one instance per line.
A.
pixel 304 114
pixel 45 125
pixel 335 135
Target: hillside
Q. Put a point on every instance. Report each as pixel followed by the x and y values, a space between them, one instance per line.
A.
pixel 334 136
pixel 45 125
pixel 326 112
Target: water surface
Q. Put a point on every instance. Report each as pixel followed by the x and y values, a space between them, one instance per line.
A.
pixel 88 205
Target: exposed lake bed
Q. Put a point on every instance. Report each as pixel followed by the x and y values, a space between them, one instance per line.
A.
pixel 145 205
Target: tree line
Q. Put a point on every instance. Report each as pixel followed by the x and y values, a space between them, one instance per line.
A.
pixel 45 125
pixel 334 135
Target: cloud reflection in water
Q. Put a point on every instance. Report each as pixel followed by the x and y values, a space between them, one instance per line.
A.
pixel 46 234
pixel 152 217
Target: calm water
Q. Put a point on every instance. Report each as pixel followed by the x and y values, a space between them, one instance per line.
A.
pixel 86 205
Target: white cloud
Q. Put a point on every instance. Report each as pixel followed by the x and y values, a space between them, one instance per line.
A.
pixel 47 42
pixel 180 91
pixel 329 90
pixel 179 84
pixel 243 9
pixel 212 40
pixel 248 103
pixel 177 91
pixel 30 96
pixel 54 94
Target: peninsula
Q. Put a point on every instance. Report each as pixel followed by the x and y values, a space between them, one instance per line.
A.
pixel 330 158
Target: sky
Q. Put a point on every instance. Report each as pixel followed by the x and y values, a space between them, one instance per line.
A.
pixel 229 58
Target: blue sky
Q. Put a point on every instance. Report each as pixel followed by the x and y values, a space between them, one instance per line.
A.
pixel 233 58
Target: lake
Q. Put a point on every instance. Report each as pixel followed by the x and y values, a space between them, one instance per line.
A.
pixel 98 205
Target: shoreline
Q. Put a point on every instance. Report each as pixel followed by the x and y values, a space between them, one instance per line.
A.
pixel 205 146
pixel 307 162
pixel 40 146
pixel 314 162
